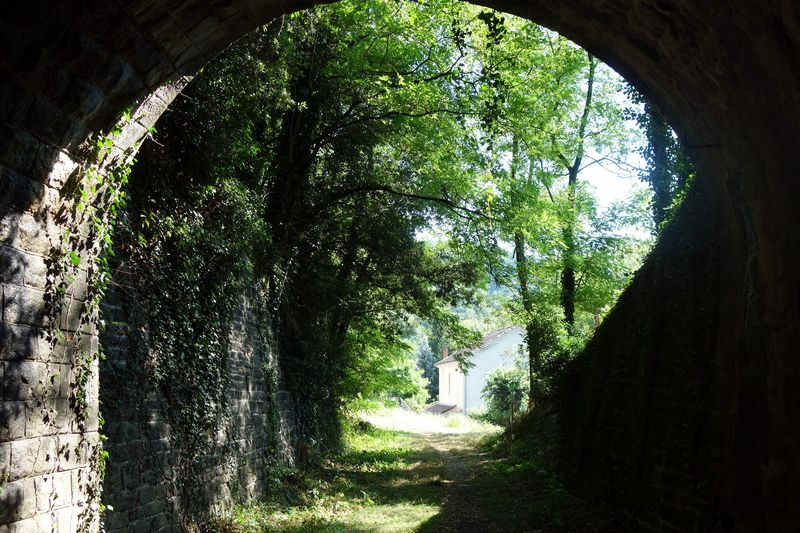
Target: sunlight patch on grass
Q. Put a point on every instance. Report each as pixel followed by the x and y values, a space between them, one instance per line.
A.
pixel 398 419
pixel 343 516
pixel 383 481
pixel 392 481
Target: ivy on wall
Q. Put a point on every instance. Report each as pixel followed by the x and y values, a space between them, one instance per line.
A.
pixel 77 277
pixel 183 272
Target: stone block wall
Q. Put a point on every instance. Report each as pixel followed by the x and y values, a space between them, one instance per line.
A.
pixel 48 340
pixel 48 424
pixel 144 483
pixel 642 409
pixel 44 456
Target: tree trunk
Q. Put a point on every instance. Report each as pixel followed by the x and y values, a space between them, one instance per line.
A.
pixel 511 429
pixel 522 277
pixel 570 252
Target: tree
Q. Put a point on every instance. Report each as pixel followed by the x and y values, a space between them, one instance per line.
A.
pixel 551 106
pixel 426 360
pixel 305 161
pixel 313 154
pixel 669 170
pixel 505 392
pixel 573 169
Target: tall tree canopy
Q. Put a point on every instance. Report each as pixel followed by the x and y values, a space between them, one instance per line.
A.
pixel 317 150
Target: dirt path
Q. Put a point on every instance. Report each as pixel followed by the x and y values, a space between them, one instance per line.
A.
pixel 462 508
pixel 431 477
pixel 485 493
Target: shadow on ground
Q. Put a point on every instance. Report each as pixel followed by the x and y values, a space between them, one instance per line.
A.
pixel 435 482
pixel 487 492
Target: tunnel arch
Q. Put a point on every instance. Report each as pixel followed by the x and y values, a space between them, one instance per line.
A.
pixel 726 76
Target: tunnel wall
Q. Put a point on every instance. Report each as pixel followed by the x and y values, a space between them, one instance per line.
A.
pixel 664 415
pixel 641 411
pixel 49 440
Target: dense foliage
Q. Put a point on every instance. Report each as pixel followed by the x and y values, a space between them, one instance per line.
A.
pixel 506 394
pixel 669 170
pixel 554 111
pixel 299 168
pixel 305 169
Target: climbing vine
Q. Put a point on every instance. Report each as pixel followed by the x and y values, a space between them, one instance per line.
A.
pixel 183 274
pixel 77 277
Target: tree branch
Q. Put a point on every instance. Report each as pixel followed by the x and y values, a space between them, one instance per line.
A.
pixel 454 206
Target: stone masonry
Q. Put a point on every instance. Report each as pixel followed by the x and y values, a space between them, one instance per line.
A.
pixel 45 452
pixel 725 73
pixel 141 480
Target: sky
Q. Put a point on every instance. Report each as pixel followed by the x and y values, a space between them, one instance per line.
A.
pixel 609 184
pixel 612 184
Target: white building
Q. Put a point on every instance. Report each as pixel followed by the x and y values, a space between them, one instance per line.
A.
pixel 497 349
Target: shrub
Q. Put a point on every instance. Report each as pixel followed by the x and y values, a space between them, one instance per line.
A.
pixel 505 388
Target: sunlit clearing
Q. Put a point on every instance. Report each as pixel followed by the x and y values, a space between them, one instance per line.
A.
pixel 398 419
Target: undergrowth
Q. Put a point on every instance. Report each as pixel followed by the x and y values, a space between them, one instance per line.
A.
pixel 380 480
pixel 393 481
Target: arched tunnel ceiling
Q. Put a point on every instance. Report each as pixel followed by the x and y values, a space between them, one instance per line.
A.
pixel 694 58
pixel 724 73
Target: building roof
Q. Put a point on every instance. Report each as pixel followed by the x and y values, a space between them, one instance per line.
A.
pixel 487 341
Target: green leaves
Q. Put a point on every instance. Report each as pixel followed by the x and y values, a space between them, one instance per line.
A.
pixel 74 258
pixel 309 160
pixel 505 388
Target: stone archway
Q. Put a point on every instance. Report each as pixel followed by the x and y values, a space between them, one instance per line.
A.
pixel 727 76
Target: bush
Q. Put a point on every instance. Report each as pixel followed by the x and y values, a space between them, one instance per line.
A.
pixel 505 388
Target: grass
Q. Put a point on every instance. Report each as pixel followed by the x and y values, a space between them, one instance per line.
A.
pixel 451 473
pixel 425 423
pixel 516 487
pixel 385 480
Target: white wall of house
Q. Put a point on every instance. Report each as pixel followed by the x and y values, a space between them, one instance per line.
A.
pixel 497 354
pixel 465 391
pixel 451 385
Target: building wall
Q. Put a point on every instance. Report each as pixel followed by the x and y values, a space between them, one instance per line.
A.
pixel 451 385
pixel 497 354
pixel 465 391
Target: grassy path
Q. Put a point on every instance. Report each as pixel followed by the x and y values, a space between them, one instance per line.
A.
pixel 429 479
pixel 461 509
pixel 490 493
